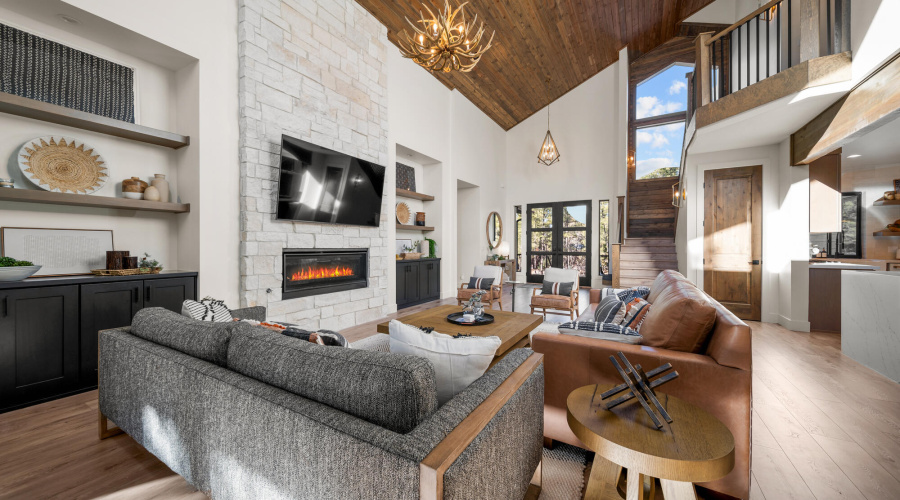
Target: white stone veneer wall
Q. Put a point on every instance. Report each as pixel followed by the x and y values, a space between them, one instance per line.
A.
pixel 312 70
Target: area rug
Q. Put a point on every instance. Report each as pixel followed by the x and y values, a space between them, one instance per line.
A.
pixel 563 472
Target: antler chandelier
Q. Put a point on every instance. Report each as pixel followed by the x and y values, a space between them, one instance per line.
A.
pixel 443 43
pixel 548 154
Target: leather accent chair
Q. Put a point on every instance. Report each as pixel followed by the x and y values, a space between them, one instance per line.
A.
pixel 495 294
pixel 557 304
pixel 717 379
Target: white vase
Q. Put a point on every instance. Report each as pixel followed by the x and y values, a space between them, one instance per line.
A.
pixel 423 247
pixel 151 194
pixel 162 185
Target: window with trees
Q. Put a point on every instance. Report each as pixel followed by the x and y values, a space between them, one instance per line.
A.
pixel 603 217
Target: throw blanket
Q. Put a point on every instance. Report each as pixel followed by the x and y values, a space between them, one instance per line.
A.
pixel 603 331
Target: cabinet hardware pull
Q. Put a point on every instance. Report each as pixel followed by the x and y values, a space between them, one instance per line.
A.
pixel 137 291
pixel 147 292
pixel 5 306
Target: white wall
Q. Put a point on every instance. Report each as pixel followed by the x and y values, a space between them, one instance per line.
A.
pixel 873 182
pixel 587 126
pixel 206 99
pixel 775 222
pixel 155 106
pixel 428 118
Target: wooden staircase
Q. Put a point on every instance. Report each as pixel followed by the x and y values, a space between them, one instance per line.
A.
pixel 650 210
pixel 642 259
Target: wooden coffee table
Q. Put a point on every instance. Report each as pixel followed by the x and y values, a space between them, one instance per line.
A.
pixel 512 328
pixel 695 447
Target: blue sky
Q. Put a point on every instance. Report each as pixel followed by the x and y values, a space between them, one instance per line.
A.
pixel 659 147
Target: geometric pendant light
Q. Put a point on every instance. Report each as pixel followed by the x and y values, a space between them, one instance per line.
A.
pixel 549 154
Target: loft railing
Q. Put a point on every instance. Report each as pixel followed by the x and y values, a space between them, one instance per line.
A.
pixel 773 38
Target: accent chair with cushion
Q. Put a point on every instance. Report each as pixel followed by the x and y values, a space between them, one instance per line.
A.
pixel 495 289
pixel 706 344
pixel 557 303
pixel 244 412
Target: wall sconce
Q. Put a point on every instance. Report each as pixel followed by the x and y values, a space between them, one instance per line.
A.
pixel 678 195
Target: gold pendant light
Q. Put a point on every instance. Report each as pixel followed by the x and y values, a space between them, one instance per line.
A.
pixel 444 43
pixel 548 154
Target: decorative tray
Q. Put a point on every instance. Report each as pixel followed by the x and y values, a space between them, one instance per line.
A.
pixel 124 272
pixel 457 318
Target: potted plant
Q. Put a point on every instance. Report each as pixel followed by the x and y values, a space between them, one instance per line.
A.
pixel 150 265
pixel 409 251
pixel 16 270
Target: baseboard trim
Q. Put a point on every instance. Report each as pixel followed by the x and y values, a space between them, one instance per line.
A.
pixel 797 326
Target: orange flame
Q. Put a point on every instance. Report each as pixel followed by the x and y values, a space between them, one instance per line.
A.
pixel 318 273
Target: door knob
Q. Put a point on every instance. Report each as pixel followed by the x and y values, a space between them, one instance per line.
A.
pixel 755 262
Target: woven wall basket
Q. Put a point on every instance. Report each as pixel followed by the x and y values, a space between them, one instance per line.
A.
pixel 63 165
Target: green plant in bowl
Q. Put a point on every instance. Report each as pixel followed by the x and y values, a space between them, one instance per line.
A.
pixel 16 270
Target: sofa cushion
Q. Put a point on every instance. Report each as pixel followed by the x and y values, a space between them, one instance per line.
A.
pixel 556 301
pixel 394 391
pixel 681 319
pixel 201 339
pixel 662 282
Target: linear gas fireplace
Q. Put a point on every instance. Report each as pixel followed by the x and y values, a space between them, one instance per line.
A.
pixel 314 272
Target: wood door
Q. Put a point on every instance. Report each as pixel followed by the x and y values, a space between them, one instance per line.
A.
pixel 38 344
pixel 732 243
pixel 104 306
pixel 169 293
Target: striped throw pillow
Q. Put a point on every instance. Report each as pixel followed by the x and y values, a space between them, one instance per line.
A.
pixel 610 310
pixel 635 311
pixel 637 292
pixel 480 283
pixel 208 309
pixel 551 288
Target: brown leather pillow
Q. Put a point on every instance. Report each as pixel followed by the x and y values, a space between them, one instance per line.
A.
pixel 680 319
pixel 662 282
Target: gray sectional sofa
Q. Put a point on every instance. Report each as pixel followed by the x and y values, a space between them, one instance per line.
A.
pixel 243 412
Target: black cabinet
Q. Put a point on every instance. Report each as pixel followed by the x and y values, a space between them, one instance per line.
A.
pixel 105 306
pixel 38 343
pixel 49 327
pixel 418 281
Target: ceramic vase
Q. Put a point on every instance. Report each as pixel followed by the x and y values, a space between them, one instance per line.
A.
pixel 423 247
pixel 162 185
pixel 151 194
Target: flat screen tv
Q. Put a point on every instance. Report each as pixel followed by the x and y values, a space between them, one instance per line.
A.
pixel 317 184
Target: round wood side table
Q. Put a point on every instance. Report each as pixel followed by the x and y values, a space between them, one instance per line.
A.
pixel 695 447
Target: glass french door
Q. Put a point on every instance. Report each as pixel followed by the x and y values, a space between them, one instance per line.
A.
pixel 559 235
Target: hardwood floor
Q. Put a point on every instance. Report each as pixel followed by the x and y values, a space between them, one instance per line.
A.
pixel 824 427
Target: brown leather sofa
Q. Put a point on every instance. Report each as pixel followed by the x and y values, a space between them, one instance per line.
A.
pixel 716 377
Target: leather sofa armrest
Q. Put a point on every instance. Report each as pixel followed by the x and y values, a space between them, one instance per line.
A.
pixel 595 295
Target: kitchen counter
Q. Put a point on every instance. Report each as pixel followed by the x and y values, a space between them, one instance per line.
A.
pixel 842 266
pixel 870 327
pixel 825 284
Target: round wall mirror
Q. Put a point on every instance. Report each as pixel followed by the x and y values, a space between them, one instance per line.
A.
pixel 494 230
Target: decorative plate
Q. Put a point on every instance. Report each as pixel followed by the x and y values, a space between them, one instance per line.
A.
pixel 457 318
pixel 403 213
pixel 62 165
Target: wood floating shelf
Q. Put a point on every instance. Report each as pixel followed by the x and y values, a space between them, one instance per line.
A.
pixel 61 115
pixel 87 200
pixel 406 193
pixel 881 202
pixel 406 227
pixel 887 233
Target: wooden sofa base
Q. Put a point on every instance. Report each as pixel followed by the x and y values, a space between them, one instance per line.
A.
pixel 103 427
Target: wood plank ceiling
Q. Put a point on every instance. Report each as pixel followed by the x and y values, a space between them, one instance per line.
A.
pixel 563 41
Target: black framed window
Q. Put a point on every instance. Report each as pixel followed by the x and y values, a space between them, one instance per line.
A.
pixel 603 222
pixel 559 235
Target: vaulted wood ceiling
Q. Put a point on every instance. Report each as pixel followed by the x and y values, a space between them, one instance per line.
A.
pixel 563 41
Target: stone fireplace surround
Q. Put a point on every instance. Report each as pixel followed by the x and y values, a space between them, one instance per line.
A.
pixel 314 71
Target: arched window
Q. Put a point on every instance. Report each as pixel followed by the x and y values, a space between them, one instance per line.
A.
pixel 660 114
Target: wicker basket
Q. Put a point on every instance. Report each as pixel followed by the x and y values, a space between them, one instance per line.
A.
pixel 411 256
pixel 126 272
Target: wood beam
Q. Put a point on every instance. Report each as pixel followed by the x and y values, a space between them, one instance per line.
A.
pixel 701 69
pixel 655 121
pixel 869 105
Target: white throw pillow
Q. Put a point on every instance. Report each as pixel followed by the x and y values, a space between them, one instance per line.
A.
pixel 457 361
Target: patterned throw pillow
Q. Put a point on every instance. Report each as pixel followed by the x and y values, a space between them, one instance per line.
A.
pixel 610 310
pixel 321 337
pixel 635 311
pixel 480 283
pixel 551 288
pixel 208 309
pixel 606 292
pixel 637 292
pixel 603 331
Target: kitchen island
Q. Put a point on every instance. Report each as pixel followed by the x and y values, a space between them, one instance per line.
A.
pixel 870 326
pixel 825 293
